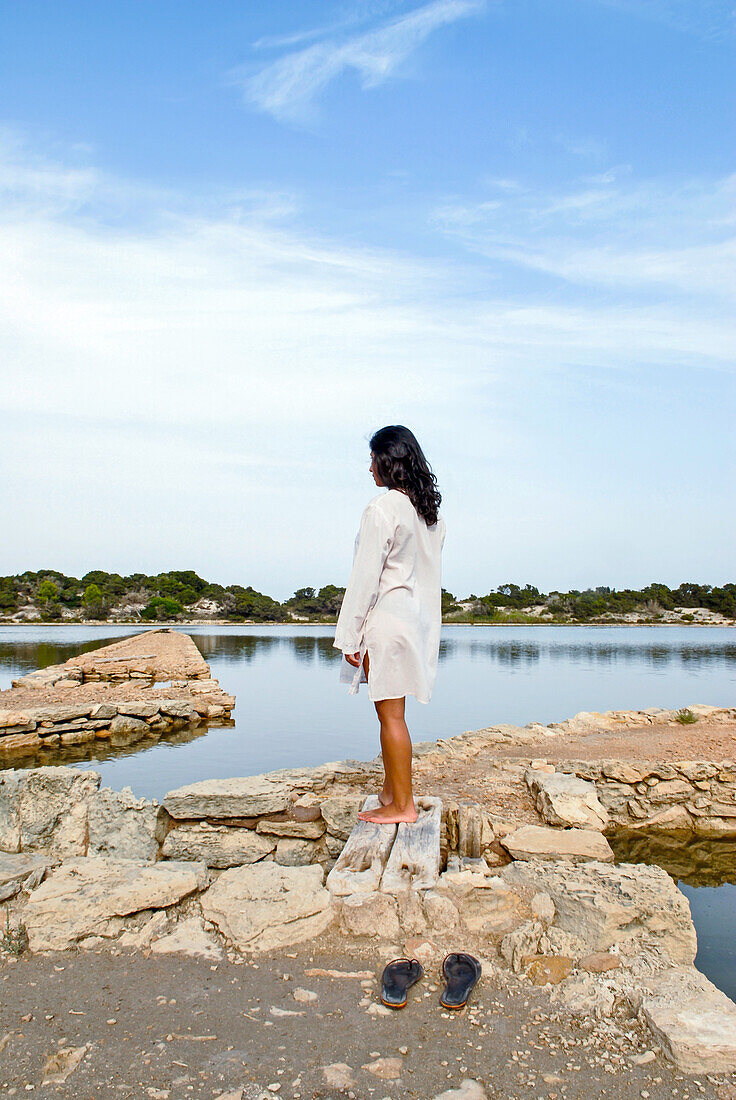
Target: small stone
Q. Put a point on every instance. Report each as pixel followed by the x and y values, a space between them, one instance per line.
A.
pixel 338 1075
pixel 644 1058
pixel 386 1069
pixel 305 996
pixel 549 969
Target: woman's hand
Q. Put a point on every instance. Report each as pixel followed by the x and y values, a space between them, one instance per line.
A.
pixel 353 659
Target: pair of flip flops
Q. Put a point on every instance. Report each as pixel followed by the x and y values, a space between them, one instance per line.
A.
pixel 460 971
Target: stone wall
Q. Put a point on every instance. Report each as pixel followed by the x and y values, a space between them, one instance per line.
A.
pixel 694 795
pixel 51 725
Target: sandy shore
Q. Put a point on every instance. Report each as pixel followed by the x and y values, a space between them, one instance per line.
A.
pixel 171 1028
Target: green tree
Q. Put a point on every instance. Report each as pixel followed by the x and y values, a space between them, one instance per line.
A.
pixel 93 602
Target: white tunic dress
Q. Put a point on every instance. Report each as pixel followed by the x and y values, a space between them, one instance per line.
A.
pixel 392 608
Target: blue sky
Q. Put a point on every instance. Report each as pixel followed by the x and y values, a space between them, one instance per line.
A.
pixel 237 238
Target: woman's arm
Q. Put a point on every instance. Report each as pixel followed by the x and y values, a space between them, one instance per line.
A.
pixel 373 543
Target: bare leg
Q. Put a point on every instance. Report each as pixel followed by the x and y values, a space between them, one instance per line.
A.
pixel 386 796
pixel 396 752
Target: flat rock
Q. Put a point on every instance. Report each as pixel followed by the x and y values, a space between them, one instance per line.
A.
pixel 566 800
pixel 266 906
pixel 289 827
pixel 84 896
pixel 217 846
pixel 636 906
pixel 249 796
pixel 548 969
pixel 541 842
pixel 468 1090
pixel 340 813
pixel 694 1022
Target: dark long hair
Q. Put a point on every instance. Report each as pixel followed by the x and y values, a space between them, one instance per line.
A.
pixel 400 464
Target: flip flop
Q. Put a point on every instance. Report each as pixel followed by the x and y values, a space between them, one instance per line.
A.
pixel 398 976
pixel 461 973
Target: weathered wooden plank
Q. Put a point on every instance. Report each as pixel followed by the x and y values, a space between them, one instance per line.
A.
pixel 414 863
pixel 360 864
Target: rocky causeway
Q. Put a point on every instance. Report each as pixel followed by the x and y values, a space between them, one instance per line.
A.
pixel 229 941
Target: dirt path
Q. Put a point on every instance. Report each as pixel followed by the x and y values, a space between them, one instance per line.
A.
pixel 172 1028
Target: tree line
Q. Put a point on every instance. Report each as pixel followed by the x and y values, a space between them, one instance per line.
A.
pixel 182 594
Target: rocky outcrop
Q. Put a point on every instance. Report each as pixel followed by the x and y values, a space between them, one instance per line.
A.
pixel 636 907
pixel 229 798
pixel 88 897
pixel 45 810
pixel 267 906
pixel 216 845
pixel 121 825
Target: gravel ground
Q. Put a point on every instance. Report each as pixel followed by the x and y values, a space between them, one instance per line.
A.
pixel 171 1028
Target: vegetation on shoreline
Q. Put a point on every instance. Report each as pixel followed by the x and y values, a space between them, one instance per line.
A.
pixel 50 596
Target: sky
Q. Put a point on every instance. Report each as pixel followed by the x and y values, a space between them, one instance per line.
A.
pixel 238 238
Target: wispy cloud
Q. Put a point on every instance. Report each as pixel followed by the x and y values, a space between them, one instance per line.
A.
pixel 288 87
pixel 652 238
pixel 708 19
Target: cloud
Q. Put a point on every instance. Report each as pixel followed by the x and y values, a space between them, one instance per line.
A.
pixel 651 239
pixel 707 19
pixel 288 87
pixel 203 375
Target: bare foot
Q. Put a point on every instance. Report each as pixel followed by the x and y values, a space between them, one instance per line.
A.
pixel 389 815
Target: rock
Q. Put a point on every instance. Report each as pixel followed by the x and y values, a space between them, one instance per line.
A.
pixel 599 962
pixel 485 902
pixel 630 904
pixel 424 951
pixel 59 1065
pixel 518 945
pixel 694 1022
pixel 45 809
pixel 216 845
pixel 103 710
pixel 386 1069
pixel 548 969
pixel 585 997
pixel 566 800
pixel 139 710
pixel 188 938
pixel 84 896
pixel 295 853
pixel 284 826
pixel 122 825
pixel 124 727
pixel 140 938
pixel 370 914
pixel 249 796
pixel 265 906
pixel 304 996
pixel 543 908
pixel 17 868
pixel 469 1090
pixel 442 916
pixel 338 1075
pixel 340 813
pixel 16 720
pixel 534 842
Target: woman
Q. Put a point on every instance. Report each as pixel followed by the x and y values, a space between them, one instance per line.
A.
pixel 389 624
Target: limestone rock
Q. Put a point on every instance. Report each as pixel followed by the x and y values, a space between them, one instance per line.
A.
pixel 338 1075
pixel 249 796
pixel 292 852
pixel 469 1090
pixel 285 826
pixel 599 962
pixel 84 896
pixel 140 938
pixel 585 996
pixel 523 941
pixel 694 1022
pixel 532 842
pixel 17 868
pixel 549 969
pixel 630 904
pixel 45 809
pixel 340 813
pixel 126 727
pixel 566 800
pixel 122 825
pixel 216 845
pixel 370 914
pixel 266 906
pixel 442 915
pixel 486 903
pixel 188 938
pixel 386 1069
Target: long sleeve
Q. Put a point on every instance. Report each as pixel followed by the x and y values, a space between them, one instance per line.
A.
pixel 372 546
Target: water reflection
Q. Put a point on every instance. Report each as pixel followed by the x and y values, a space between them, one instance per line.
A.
pixel 694 860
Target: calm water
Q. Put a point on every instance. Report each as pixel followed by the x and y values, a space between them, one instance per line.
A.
pixel 291 710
